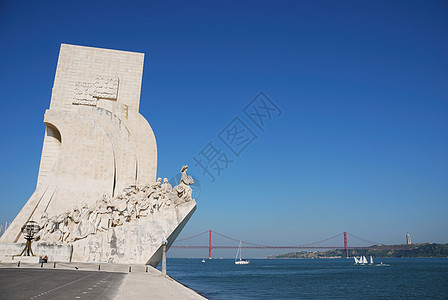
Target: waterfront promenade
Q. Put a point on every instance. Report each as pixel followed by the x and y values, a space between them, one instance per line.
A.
pixel 88 281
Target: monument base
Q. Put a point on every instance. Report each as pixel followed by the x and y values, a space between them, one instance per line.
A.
pixel 136 242
pixel 9 252
pixel 26 259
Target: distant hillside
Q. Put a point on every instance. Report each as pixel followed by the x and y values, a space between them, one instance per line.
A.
pixel 414 250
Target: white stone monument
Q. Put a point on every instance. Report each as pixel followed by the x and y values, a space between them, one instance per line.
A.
pixel 97 198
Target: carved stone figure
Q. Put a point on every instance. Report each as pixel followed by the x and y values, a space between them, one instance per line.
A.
pixel 142 202
pixel 155 189
pixel 54 235
pixel 103 214
pixel 166 186
pixel 85 226
pixel 64 224
pixel 131 208
pixel 135 202
pixel 119 206
pixel 76 218
pixel 166 196
pixel 184 190
pixel 41 235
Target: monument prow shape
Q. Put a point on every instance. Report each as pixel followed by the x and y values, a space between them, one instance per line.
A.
pixel 97 198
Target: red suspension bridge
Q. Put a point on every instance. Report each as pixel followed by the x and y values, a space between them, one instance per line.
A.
pixel 181 243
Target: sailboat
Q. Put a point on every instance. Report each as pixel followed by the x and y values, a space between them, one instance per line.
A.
pixel 240 261
pixel 364 260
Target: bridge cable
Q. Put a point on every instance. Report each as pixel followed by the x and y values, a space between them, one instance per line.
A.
pixel 270 246
pixel 321 240
pixel 192 236
pixel 356 237
pixel 237 240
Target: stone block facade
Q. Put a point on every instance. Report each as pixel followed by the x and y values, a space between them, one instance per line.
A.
pixel 97 145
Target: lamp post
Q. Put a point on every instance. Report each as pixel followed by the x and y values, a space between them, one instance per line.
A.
pixel 164 257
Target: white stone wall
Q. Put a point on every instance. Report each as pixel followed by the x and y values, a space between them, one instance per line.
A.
pixel 83 64
pixel 96 141
pixel 135 242
pixel 50 151
pixel 61 253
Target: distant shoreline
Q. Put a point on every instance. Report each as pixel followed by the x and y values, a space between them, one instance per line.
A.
pixel 384 251
pixel 338 257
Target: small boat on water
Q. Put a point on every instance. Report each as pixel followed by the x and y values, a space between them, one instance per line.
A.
pixel 240 261
pixel 203 260
pixel 362 260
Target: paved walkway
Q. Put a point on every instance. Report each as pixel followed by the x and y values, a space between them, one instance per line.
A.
pixel 24 283
pixel 89 281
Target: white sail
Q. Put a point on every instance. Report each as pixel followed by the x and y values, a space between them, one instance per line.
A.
pixel 371 260
pixel 240 261
pixel 238 252
pixel 356 260
pixel 364 260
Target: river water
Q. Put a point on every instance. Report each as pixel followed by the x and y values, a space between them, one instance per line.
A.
pixel 405 278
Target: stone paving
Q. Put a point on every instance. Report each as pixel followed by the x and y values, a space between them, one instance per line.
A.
pixel 88 281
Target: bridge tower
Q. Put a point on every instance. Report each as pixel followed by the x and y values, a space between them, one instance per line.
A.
pixel 345 244
pixel 210 245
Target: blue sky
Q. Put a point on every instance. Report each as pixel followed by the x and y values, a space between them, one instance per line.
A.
pixel 361 143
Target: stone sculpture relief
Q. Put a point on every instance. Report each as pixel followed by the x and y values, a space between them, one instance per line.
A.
pixel 106 88
pixel 133 203
pixel 88 93
pixel 184 190
pixel 83 94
